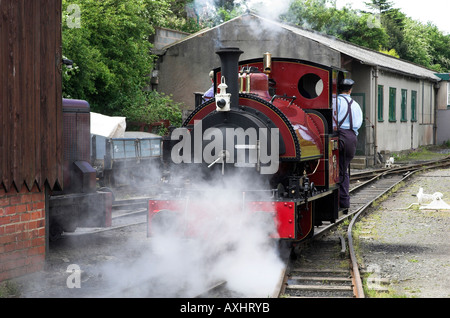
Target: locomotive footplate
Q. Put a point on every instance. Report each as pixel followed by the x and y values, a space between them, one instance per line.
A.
pixel 195 216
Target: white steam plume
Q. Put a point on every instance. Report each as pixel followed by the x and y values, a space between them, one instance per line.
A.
pixel 234 247
pixel 207 9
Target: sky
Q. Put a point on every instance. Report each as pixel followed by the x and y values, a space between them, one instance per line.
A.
pixel 435 11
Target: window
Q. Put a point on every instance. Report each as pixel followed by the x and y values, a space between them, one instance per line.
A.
pixel 310 86
pixel 404 104
pixel 392 103
pixel 448 95
pixel 413 105
pixel 380 102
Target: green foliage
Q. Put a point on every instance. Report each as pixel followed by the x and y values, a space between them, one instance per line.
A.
pixel 153 108
pixel 345 24
pixel 390 52
pixel 183 17
pixel 394 22
pixel 9 289
pixel 222 12
pixel 380 5
pixel 423 153
pixel 363 31
pixel 382 28
pixel 427 46
pixel 110 50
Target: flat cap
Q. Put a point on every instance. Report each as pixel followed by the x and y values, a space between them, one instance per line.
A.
pixel 347 82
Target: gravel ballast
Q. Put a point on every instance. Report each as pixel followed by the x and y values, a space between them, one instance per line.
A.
pixel 407 245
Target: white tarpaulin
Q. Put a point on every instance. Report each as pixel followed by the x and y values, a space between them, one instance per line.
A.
pixel 106 126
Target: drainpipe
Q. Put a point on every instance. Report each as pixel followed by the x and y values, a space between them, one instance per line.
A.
pixel 375 142
pixel 437 86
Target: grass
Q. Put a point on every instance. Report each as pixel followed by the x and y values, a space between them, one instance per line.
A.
pixel 372 293
pixel 9 289
pixel 423 153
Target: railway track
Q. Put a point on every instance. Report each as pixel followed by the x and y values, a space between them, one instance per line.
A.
pixel 124 213
pixel 327 265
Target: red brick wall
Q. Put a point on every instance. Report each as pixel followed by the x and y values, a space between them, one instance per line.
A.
pixel 22 232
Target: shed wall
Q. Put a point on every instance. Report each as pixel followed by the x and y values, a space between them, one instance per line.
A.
pixel 30 98
pixel 397 133
pixel 443 120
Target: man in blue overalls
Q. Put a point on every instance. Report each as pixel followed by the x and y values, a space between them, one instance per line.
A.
pixel 350 118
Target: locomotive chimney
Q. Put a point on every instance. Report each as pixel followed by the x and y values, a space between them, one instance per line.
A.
pixel 229 58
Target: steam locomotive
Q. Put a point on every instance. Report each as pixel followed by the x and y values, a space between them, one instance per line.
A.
pixel 271 130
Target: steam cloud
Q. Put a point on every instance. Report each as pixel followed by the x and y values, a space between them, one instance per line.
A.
pixel 207 8
pixel 232 245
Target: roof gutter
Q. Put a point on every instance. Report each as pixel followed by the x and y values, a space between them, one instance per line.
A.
pixel 379 67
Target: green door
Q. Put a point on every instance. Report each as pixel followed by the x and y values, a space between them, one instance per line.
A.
pixel 360 98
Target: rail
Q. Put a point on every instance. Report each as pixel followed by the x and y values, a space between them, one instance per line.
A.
pixel 378 183
pixel 409 171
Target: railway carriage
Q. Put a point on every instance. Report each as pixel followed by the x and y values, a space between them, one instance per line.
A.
pixel 91 161
pixel 127 160
pixel 271 129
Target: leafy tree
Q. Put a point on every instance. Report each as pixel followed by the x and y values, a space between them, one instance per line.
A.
pixel 427 46
pixel 345 24
pixel 418 46
pixel 155 107
pixel 210 13
pixel 412 40
pixel 363 31
pixel 380 5
pixel 391 52
pixel 111 53
pixel 440 46
pixel 183 18
pixel 394 22
pixel 110 50
pixel 382 28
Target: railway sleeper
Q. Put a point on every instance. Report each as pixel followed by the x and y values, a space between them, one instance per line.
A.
pixel 319 280
pixel 307 291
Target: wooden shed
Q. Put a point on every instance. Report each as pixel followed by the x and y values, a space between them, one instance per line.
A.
pixel 30 129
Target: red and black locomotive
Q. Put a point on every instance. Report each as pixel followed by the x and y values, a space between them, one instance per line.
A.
pixel 270 129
